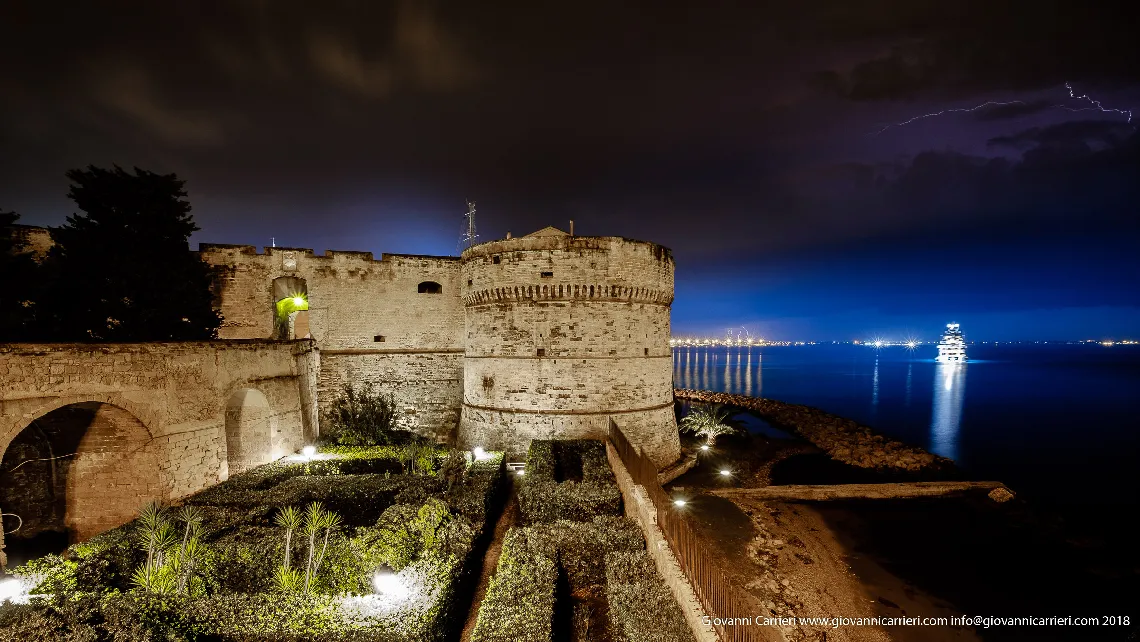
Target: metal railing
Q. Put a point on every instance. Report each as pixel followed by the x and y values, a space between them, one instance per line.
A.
pixel 720 597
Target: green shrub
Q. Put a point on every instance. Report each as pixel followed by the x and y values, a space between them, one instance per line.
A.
pixel 236 596
pixel 581 547
pixel 362 417
pixel 519 604
pixel 642 609
pixel 547 495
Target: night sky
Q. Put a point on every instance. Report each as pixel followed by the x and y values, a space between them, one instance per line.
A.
pixel 749 139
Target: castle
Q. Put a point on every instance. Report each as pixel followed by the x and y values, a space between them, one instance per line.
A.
pixel 548 335
pixel 542 336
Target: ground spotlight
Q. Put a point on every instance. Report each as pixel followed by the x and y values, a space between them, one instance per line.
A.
pixel 479 453
pixel 705 447
pixel 389 584
pixel 309 451
pixel 520 472
pixel 11 589
pixel 679 503
pixel 725 472
pixel 298 301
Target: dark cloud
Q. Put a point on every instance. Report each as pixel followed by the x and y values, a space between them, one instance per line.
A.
pixel 702 126
pixel 1073 135
pixel 959 49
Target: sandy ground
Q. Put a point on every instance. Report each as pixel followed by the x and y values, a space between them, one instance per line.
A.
pixel 826 578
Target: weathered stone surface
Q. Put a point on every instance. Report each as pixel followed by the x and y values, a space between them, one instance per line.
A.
pixel 1001 495
pixel 368 318
pixel 145 421
pixel 563 333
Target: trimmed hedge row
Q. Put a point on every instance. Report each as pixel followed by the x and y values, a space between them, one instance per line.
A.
pixel 551 491
pixel 642 608
pixel 422 527
pixel 520 602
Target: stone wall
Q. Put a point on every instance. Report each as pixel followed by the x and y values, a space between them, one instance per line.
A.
pixel 562 333
pixel 154 422
pixel 426 386
pixel 369 319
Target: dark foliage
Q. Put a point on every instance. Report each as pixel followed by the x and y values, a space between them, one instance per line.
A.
pixel 362 417
pixel 416 520
pixel 123 270
pixel 568 479
pixel 17 315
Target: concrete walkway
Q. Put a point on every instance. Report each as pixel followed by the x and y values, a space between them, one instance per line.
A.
pixel 857 491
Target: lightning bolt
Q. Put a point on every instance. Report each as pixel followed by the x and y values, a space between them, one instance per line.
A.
pixel 991 103
pixel 1096 106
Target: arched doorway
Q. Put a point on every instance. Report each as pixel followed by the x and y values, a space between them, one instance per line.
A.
pixel 250 427
pixel 75 472
pixel 291 308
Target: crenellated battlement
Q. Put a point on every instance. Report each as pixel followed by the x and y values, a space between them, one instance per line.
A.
pixel 567 292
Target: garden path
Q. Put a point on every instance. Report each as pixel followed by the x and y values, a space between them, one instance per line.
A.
pixel 506 520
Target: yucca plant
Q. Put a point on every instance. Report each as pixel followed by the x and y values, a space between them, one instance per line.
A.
pixel 318 522
pixel 290 519
pixel 288 580
pixel 155 579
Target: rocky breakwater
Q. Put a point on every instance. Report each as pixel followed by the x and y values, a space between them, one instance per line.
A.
pixel 843 439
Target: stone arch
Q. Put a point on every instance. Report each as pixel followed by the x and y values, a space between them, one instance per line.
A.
pixel 429 287
pixel 291 308
pixel 250 429
pixel 79 468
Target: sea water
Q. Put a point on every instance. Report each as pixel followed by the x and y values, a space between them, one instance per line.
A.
pixel 1055 422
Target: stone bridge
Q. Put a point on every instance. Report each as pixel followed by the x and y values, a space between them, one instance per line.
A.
pixel 91 432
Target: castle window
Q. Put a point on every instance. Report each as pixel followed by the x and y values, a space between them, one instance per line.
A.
pixel 542 352
pixel 647 352
pixel 470 282
pixel 495 259
pixel 378 338
pixel 547 275
pixel 430 287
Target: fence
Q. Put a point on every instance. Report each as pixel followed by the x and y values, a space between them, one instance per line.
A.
pixel 719 596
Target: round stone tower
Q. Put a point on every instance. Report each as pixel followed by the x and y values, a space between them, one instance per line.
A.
pixel 564 333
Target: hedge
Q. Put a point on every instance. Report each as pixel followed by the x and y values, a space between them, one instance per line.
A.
pixel 428 544
pixel 642 608
pixel 519 603
pixel 544 497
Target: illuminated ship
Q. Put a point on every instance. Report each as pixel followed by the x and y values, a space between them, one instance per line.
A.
pixel 952 348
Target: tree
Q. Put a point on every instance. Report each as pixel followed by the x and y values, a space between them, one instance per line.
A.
pixel 123 271
pixel 17 312
pixel 707 422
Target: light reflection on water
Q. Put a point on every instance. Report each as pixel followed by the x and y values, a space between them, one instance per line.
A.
pixel 946 416
pixel 1017 424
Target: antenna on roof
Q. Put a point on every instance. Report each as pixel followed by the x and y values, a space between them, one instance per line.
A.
pixel 469 236
pixel 273 241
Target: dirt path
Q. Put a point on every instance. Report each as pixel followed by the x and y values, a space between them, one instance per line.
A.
pixel 828 577
pixel 506 520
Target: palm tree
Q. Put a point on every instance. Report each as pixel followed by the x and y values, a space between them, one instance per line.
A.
pixel 708 422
